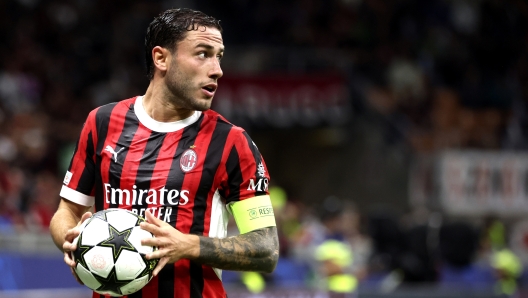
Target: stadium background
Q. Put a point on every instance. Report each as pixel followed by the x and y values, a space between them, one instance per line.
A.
pixel 398 128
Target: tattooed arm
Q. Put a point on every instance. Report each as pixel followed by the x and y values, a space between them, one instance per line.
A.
pixel 257 250
pixel 254 251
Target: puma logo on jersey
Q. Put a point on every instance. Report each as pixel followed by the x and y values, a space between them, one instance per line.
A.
pixel 111 150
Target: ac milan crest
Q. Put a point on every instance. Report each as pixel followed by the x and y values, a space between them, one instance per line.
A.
pixel 188 160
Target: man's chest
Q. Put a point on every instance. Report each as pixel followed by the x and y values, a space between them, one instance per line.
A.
pixel 155 169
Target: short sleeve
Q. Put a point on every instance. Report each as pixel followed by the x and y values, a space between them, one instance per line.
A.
pixel 247 174
pixel 78 184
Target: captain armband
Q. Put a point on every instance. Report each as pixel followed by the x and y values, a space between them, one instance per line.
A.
pixel 253 214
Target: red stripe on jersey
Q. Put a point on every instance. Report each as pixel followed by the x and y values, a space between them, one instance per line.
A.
pixel 185 215
pixel 95 138
pixel 182 278
pixel 115 126
pixel 220 176
pixel 212 283
pixel 79 157
pixel 93 128
pixel 223 176
pixel 222 170
pixel 207 215
pixel 163 164
pixel 162 169
pixel 151 289
pixel 191 182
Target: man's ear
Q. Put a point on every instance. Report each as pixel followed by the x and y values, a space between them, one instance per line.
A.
pixel 161 59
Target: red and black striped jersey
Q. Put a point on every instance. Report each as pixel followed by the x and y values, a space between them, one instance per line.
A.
pixel 184 172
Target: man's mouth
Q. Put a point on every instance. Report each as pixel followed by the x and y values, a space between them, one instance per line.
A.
pixel 210 88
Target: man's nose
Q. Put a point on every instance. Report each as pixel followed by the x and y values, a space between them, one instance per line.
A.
pixel 216 71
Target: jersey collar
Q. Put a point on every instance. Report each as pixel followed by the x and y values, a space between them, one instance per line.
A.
pixel 154 125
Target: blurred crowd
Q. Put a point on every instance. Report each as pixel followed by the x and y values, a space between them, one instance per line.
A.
pixel 58 60
pixel 386 251
pixel 449 74
pixel 438 74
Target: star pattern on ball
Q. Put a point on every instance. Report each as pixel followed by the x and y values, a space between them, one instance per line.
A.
pixel 151 264
pixel 118 241
pixel 140 220
pixel 111 283
pixel 100 215
pixel 78 254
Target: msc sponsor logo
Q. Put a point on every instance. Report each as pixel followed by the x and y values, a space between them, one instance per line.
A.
pixel 260 185
pixel 262 211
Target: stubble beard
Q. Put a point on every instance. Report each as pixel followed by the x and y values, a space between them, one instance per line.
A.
pixel 180 86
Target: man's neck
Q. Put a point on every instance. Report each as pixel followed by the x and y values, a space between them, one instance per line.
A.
pixel 160 108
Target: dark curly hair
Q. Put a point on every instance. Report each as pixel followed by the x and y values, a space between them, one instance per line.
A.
pixel 170 27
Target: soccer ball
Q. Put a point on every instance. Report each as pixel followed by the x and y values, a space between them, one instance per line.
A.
pixel 110 258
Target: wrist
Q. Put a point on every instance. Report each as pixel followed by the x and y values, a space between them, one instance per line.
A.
pixel 192 251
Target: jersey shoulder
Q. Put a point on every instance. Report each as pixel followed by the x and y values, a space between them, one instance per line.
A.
pixel 236 135
pixel 213 115
pixel 105 111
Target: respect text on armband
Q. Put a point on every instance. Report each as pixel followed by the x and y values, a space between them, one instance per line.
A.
pixel 262 211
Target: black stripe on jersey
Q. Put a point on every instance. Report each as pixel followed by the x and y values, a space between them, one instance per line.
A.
pixel 258 161
pixel 234 173
pixel 175 181
pixel 210 167
pixel 102 120
pixel 87 175
pixel 144 174
pixel 176 176
pixel 147 164
pixel 211 163
pixel 197 282
pixel 125 139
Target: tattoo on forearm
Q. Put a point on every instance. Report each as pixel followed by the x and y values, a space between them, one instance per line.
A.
pixel 254 251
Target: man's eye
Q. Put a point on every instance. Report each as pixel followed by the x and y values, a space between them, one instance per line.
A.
pixel 201 54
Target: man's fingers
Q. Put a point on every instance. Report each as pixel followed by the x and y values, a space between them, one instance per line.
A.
pixel 157 254
pixel 68 260
pixel 68 246
pixel 151 228
pixel 161 264
pixel 85 216
pixel 152 219
pixel 72 233
pixel 152 242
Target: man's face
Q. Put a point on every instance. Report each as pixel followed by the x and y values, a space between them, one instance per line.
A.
pixel 194 70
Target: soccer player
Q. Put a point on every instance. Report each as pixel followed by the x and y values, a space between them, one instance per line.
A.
pixel 168 157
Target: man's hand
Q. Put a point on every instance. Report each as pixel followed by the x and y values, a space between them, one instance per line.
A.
pixel 257 250
pixel 172 244
pixel 68 247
